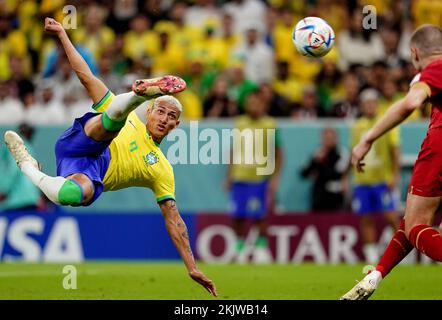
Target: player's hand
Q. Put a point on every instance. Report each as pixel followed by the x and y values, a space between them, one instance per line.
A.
pixel 358 154
pixel 53 27
pixel 199 277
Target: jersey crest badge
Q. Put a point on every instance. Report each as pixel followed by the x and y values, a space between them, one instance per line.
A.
pixel 151 158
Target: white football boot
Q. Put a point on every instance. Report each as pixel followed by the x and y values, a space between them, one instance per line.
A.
pixel 365 288
pixel 18 149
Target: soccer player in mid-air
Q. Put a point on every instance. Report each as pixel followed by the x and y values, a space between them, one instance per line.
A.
pixel 425 189
pixel 114 148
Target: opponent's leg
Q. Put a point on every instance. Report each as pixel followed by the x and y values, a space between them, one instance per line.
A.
pixel 418 218
pixel 106 126
pixel 58 189
pixel 419 214
pixel 398 248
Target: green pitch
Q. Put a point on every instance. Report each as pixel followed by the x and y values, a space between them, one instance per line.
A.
pixel 150 280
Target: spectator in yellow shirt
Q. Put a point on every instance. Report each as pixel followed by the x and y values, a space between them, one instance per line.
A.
pixel 169 58
pixel 199 78
pixel 282 31
pixel 211 48
pixel 427 11
pixel 183 34
pixel 286 85
pixel 139 41
pixel 391 94
pixel 336 13
pixel 228 35
pixel 304 69
pixel 95 35
pixel 192 102
pixel 12 42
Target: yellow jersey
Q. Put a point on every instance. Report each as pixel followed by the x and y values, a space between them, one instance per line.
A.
pixel 379 161
pixel 136 160
pixel 245 170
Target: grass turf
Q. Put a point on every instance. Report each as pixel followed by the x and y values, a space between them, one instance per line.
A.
pixel 169 281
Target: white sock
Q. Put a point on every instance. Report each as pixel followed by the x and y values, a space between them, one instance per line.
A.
pixel 374 278
pixel 123 104
pixel 371 253
pixel 49 185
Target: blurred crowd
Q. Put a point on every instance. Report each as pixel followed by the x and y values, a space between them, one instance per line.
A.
pixel 223 49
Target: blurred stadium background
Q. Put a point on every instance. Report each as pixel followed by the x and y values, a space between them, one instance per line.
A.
pixel 207 43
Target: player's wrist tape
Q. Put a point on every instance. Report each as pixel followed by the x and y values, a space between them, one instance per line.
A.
pixel 111 125
pixel 70 194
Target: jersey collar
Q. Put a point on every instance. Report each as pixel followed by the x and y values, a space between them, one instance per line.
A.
pixel 149 136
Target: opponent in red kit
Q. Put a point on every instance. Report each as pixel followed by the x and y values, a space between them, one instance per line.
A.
pixel 425 190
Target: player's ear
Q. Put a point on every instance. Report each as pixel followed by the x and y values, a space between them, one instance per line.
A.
pixel 414 53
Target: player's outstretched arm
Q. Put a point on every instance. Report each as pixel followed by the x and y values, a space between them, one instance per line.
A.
pixel 178 232
pixel 94 86
pixel 397 113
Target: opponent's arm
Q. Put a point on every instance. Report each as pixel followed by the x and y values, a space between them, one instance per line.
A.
pixel 397 113
pixel 178 232
pixel 94 86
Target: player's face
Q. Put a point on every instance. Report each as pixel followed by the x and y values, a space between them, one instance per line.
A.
pixel 370 108
pixel 255 107
pixel 161 119
pixel 329 138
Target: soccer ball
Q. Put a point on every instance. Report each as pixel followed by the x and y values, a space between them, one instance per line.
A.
pixel 313 37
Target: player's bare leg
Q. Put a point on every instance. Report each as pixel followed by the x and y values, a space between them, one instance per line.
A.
pixel 239 224
pixel 368 233
pixel 419 210
pixel 59 190
pixel 261 254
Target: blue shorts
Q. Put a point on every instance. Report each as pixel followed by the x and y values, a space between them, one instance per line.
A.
pixel 373 199
pixel 75 152
pixel 249 199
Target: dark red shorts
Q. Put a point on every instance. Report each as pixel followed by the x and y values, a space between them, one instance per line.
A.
pixel 426 180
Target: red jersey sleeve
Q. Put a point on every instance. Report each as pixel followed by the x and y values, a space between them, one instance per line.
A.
pixel 432 76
